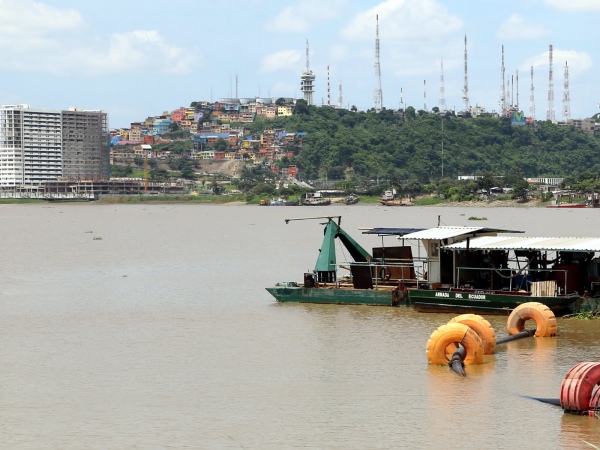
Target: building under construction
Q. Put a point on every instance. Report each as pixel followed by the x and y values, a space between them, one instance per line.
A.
pixel 39 145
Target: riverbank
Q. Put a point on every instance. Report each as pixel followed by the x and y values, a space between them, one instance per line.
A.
pixel 236 200
pixel 497 204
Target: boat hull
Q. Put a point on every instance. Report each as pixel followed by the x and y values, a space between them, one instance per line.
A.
pixel 420 299
pixel 334 296
pixel 482 302
pixel 568 205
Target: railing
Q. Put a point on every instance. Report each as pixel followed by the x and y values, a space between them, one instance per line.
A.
pixel 380 268
pixel 517 279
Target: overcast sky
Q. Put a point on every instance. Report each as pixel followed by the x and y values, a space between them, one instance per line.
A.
pixel 134 58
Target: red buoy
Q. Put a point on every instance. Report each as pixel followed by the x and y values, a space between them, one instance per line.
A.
pixel 578 386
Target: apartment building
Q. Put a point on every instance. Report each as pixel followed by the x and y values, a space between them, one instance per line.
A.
pixel 39 145
pixel 85 146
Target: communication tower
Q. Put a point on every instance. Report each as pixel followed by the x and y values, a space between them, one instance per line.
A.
pixel 531 101
pixel 517 105
pixel 566 98
pixel 442 90
pixel 340 96
pixel 307 80
pixel 466 86
pixel 550 113
pixel 328 89
pixel 402 100
pixel 424 95
pixel 503 88
pixel 378 97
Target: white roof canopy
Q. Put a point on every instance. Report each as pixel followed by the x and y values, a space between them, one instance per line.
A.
pixel 445 232
pixel 569 244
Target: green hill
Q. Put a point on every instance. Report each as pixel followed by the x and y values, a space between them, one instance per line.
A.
pixel 342 143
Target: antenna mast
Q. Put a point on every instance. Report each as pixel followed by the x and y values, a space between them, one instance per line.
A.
pixel 512 90
pixel 340 97
pixel 424 95
pixel 517 89
pixel 550 114
pixel 328 89
pixel 502 89
pixel 531 102
pixel 378 97
pixel 402 100
pixel 442 90
pixel 566 98
pixel 466 86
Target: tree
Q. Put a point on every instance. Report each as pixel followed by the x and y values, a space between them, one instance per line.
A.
pixel 353 108
pixel 187 172
pixel 158 174
pixel 280 101
pixel 301 107
pixel 520 190
pixel 120 171
pixel 174 126
pixel 222 145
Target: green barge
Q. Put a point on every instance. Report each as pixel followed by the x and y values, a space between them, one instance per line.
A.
pixel 462 270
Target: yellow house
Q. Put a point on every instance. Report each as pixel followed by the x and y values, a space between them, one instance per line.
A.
pixel 284 110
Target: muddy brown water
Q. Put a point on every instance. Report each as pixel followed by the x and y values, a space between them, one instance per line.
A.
pixel 148 326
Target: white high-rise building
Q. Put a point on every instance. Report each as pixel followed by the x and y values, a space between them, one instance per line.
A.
pixel 42 145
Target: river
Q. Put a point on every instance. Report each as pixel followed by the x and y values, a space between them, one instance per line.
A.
pixel 148 327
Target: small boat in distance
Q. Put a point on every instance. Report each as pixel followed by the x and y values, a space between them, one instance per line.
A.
pixel 281 201
pixel 351 199
pixel 388 198
pixel 316 199
pixel 568 205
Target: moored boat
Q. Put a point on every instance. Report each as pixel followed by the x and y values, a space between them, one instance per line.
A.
pixel 351 200
pixel 568 205
pixel 388 198
pixel 316 199
pixel 464 269
pixel 282 201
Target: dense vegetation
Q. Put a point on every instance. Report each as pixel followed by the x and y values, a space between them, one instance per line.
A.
pixel 414 153
pixel 342 144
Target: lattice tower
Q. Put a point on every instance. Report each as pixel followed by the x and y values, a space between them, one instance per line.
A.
pixel 503 88
pixel 424 95
pixel 466 85
pixel 442 90
pixel 512 90
pixel 328 89
pixel 378 97
pixel 550 113
pixel 531 98
pixel 517 105
pixel 401 100
pixel 566 98
pixel 340 96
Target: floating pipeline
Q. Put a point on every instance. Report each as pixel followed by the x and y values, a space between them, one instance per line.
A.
pixel 514 337
pixel 456 362
pixel 471 336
